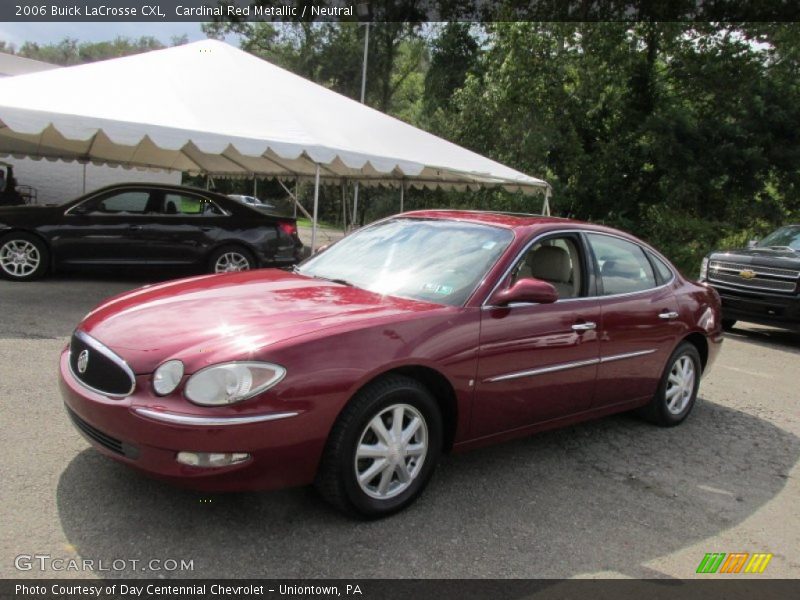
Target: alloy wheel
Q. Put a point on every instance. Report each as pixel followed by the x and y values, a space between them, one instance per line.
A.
pixel 231 262
pixel 19 258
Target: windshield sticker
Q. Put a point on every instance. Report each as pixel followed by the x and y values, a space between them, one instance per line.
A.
pixel 441 290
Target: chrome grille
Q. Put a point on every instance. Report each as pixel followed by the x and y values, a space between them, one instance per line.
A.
pixel 765 278
pixel 98 368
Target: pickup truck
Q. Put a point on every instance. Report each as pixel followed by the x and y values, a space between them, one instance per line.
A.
pixel 760 283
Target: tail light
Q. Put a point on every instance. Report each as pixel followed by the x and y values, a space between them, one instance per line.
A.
pixel 288 227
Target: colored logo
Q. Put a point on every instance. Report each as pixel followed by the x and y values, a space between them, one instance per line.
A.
pixel 735 562
pixel 747 274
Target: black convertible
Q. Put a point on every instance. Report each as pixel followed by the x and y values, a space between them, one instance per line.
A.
pixel 144 224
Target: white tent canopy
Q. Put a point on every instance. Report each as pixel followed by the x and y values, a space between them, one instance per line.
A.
pixel 208 107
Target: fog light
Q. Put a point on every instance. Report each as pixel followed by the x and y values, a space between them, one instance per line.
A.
pixel 211 460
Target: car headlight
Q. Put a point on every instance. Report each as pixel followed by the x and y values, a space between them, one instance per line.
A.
pixel 704 269
pixel 232 382
pixel 167 377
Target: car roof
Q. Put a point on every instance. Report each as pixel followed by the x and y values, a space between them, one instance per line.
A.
pixel 508 220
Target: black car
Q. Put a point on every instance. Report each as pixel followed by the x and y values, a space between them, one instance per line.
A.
pixel 759 284
pixel 144 224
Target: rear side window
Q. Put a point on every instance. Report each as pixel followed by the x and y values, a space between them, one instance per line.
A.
pixel 183 204
pixel 663 272
pixel 624 268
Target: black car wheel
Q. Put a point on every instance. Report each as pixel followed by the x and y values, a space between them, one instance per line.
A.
pixel 23 257
pixel 230 259
pixel 383 448
pixel 677 391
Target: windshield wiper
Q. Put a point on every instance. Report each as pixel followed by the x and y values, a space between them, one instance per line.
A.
pixel 782 248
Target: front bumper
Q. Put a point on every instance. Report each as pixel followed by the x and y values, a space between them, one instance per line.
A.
pixel 284 451
pixel 779 310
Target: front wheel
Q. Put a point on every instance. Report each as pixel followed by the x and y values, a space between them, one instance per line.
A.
pixel 231 259
pixel 23 257
pixel 383 448
pixel 677 391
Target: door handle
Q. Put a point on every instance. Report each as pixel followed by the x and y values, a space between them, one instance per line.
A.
pixel 668 315
pixel 134 227
pixel 588 326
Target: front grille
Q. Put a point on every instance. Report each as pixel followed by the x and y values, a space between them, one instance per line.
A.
pixel 767 279
pixel 105 440
pixel 98 368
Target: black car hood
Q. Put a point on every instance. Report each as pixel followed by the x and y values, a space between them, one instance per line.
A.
pixel 763 257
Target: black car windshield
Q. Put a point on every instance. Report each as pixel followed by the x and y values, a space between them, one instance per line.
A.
pixel 785 237
pixel 425 259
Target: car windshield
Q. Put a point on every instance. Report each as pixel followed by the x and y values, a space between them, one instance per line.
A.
pixel 785 237
pixel 425 259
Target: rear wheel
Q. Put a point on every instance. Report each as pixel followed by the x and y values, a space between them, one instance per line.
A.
pixel 677 391
pixel 230 259
pixel 383 449
pixel 23 257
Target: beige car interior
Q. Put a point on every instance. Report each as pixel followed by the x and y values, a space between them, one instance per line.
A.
pixel 555 261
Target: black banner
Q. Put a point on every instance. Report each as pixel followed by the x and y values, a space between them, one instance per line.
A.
pixel 396 10
pixel 731 587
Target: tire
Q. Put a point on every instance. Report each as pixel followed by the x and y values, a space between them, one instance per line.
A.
pixel 350 450
pixel 727 324
pixel 23 257
pixel 230 259
pixel 667 411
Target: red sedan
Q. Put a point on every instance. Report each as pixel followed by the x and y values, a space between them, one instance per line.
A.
pixel 428 332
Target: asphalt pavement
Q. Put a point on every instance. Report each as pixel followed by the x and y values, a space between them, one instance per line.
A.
pixel 611 498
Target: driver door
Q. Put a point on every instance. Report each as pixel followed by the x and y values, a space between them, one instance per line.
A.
pixel 538 362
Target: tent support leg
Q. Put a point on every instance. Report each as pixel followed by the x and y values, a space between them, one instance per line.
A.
pixel 316 211
pixel 255 186
pixel 402 194
pixel 344 207
pixel 546 203
pixel 297 204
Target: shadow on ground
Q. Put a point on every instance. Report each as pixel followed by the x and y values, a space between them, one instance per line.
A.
pixel 766 337
pixel 603 496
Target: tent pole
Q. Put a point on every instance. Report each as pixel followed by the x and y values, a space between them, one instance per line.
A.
pixel 355 206
pixel 255 186
pixel 316 211
pixel 344 206
pixel 84 178
pixel 402 193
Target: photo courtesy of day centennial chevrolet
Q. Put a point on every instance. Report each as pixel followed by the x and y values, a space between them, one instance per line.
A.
pixel 428 332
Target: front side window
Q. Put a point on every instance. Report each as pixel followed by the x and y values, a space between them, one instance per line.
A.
pixel 124 203
pixel 556 261
pixel 624 268
pixel 425 259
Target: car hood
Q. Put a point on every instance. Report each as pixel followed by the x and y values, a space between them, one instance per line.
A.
pixel 762 257
pixel 216 318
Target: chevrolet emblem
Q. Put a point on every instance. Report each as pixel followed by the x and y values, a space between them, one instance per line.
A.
pixel 747 274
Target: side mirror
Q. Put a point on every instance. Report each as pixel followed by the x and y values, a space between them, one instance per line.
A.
pixel 752 243
pixel 526 290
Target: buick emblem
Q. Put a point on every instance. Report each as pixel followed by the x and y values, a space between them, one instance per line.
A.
pixel 83 361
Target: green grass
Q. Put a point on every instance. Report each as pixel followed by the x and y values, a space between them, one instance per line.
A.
pixel 303 222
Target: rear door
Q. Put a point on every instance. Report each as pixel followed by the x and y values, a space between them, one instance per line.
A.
pixel 184 229
pixel 538 362
pixel 640 325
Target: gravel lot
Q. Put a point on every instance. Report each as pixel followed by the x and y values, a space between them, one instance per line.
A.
pixel 611 498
